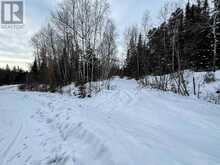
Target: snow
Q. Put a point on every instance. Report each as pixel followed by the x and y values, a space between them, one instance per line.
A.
pixel 124 126
pixel 9 88
pixel 204 91
pixel 207 90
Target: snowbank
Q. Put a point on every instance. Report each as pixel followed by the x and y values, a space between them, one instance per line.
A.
pixel 204 90
pixel 208 91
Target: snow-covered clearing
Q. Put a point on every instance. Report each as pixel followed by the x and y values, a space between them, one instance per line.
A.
pixel 125 126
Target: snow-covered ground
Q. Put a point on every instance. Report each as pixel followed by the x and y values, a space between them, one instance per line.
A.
pixel 9 88
pixel 207 91
pixel 125 126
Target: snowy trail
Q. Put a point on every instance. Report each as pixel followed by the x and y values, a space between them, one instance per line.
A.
pixel 10 87
pixel 126 126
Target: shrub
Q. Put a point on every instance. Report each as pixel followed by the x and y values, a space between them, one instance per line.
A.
pixel 82 91
pixel 209 77
pixel 22 87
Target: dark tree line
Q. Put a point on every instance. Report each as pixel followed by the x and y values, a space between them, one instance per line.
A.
pixel 12 76
pixel 188 39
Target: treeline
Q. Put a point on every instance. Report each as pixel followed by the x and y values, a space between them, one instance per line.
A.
pixel 187 39
pixel 78 45
pixel 12 76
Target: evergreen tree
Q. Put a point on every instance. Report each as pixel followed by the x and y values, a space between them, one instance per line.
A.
pixel 14 76
pixel 197 36
pixel 216 33
pixel 34 71
pixel 140 57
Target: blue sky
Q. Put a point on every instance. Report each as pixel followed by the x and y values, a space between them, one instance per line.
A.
pixel 15 48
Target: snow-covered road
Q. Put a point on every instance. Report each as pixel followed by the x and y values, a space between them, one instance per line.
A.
pixel 125 126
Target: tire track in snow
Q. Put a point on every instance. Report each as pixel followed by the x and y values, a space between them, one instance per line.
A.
pixel 10 146
pixel 79 135
pixel 126 98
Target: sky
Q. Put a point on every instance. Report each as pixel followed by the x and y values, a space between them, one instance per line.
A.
pixel 15 47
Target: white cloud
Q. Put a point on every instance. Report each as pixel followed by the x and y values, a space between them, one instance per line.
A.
pixel 15 43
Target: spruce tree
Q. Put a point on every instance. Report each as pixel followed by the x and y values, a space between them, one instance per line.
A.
pixel 216 33
pixel 35 71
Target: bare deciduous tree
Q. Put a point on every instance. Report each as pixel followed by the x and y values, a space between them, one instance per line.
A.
pixel 73 39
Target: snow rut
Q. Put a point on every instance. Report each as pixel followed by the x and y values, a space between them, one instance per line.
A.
pixel 84 144
pixel 116 100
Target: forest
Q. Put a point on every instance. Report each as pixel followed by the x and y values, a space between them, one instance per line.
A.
pixel 12 76
pixel 187 39
pixel 79 44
